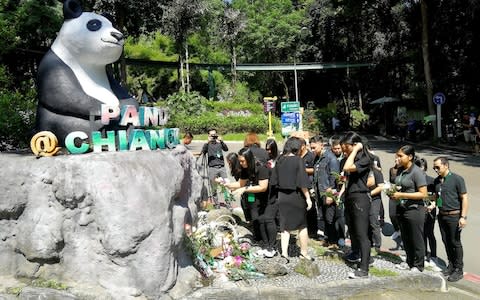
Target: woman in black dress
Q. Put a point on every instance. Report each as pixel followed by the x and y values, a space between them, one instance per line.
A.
pixel 291 181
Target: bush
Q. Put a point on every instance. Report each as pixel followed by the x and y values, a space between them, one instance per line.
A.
pixel 192 112
pixel 18 111
pixel 359 118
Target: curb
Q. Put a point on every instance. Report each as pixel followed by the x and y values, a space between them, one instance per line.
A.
pixel 410 283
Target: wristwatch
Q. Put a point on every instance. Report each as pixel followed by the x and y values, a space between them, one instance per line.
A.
pixel 464 217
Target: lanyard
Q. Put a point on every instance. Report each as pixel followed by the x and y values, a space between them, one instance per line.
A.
pixel 443 180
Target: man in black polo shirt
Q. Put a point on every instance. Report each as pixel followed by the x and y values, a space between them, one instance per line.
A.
pixel 452 202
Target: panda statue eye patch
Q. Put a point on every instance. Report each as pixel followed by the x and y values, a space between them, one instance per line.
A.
pixel 94 25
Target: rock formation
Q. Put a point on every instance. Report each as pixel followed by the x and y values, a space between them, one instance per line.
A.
pixel 112 222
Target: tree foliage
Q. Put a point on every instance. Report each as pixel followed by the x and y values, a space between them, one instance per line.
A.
pixel 385 33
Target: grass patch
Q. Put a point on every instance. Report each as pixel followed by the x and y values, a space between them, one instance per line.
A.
pixel 382 272
pixel 390 257
pixel 49 284
pixel 14 291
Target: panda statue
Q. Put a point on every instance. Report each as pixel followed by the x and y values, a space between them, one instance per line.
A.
pixel 73 81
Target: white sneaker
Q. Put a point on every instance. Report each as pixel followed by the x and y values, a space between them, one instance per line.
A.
pixel 415 270
pixel 269 254
pixel 396 235
pixel 260 253
pixel 402 266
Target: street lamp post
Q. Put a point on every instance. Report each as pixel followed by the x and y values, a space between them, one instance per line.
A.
pixel 295 76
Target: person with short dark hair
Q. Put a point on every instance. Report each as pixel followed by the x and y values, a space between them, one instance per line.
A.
pixel 452 202
pixel 410 207
pixel 213 149
pixel 324 180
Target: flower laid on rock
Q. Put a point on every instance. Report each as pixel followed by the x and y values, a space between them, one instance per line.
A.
pixel 215 247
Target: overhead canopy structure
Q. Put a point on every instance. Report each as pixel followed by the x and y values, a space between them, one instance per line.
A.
pixel 384 100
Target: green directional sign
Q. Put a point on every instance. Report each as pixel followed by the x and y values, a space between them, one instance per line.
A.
pixel 292 106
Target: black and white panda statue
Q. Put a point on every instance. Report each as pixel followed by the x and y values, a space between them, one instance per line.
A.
pixel 72 78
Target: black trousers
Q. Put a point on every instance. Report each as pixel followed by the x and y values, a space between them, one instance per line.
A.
pixel 412 220
pixel 252 212
pixel 375 232
pixel 392 212
pixel 312 218
pixel 357 210
pixel 429 238
pixel 451 239
pixel 268 226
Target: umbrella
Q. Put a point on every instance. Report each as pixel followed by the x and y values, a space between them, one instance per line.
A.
pixel 384 100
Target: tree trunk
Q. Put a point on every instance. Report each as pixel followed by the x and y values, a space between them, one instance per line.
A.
pixel 187 67
pixel 426 58
pixel 233 64
pixel 285 86
pixel 180 71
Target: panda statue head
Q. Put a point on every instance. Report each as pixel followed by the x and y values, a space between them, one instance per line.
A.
pixel 72 78
pixel 87 36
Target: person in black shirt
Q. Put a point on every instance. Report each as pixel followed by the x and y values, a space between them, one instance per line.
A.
pixel 253 185
pixel 253 142
pixel 410 207
pixel 452 202
pixel 291 181
pixel 357 165
pixel 216 165
pixel 431 213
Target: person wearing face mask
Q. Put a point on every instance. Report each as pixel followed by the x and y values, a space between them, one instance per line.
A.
pixel 452 202
pixel 326 165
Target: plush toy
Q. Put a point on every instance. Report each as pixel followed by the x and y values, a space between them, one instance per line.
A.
pixel 72 79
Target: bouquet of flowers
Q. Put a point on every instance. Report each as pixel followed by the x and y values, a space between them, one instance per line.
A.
pixel 340 178
pixel 215 247
pixel 391 188
pixel 227 195
pixel 334 194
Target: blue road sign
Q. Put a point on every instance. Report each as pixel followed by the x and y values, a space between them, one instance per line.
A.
pixel 439 98
pixel 290 118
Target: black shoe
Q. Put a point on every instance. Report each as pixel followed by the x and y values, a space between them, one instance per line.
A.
pixel 455 276
pixel 358 274
pixel 307 257
pixel 352 257
pixel 448 271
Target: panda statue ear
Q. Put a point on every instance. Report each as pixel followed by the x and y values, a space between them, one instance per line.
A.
pixel 71 9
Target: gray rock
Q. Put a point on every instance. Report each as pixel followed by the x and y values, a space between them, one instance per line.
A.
pixel 270 267
pixel 112 221
pixel 29 293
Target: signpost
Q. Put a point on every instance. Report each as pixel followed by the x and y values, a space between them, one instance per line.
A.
pixel 291 106
pixel 269 105
pixel 439 99
pixel 291 117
